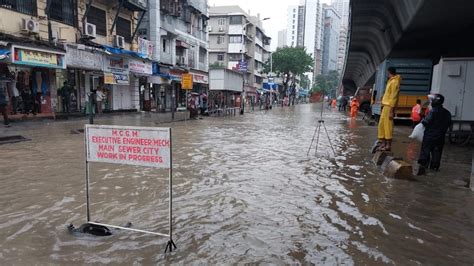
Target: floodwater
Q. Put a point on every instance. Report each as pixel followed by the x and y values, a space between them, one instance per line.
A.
pixel 244 192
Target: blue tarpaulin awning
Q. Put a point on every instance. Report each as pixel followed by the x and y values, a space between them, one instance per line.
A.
pixel 4 53
pixel 115 50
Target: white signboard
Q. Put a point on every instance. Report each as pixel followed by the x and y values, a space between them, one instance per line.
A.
pixel 139 67
pixel 83 59
pixel 143 146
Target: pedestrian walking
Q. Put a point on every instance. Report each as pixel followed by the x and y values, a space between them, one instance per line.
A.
pixel 99 95
pixel 354 107
pixel 344 103
pixel 66 96
pixel 334 103
pixel 389 102
pixel 3 104
pixel 436 123
pixel 416 113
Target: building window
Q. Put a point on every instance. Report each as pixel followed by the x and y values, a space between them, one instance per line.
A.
pixel 202 55
pixel 293 26
pixel 220 57
pixel 294 10
pixel 142 33
pixel 235 39
pixel 98 17
pixel 124 29
pixel 235 20
pixel 235 57
pixel 63 11
pixel 294 16
pixel 221 21
pixel 164 46
pixel 220 39
pixel 23 6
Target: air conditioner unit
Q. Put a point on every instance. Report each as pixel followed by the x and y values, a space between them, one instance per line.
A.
pixel 90 30
pixel 119 41
pixel 30 26
pixel 209 28
pixel 221 29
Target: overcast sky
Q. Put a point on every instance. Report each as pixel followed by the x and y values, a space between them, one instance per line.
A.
pixel 275 9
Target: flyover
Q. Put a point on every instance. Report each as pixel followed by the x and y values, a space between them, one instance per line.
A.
pixel 382 29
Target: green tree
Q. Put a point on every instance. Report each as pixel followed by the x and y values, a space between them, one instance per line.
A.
pixel 290 62
pixel 327 84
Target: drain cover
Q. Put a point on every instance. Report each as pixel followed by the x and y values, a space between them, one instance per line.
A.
pixel 12 139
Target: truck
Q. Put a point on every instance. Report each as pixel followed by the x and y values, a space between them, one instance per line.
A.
pixel 454 79
pixel 363 95
pixel 416 84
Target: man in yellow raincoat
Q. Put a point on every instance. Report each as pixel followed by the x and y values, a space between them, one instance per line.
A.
pixel 389 102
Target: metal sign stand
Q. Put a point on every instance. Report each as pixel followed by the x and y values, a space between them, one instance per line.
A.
pixel 170 244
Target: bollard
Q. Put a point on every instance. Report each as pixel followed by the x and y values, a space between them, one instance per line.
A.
pixel 399 169
pixel 379 157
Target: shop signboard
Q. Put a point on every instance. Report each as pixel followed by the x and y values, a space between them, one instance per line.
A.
pixel 38 57
pixel 145 48
pixel 83 59
pixel 116 65
pixel 199 78
pixel 116 79
pixel 187 82
pixel 109 78
pixel 140 67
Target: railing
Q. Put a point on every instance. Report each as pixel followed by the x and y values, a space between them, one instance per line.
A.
pixel 22 6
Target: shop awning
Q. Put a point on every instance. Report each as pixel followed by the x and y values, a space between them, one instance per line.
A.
pixel 4 53
pixel 182 44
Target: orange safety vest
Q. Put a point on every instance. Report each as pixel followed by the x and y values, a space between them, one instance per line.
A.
pixel 415 113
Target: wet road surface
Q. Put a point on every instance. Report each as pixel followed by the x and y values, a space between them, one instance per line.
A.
pixel 244 192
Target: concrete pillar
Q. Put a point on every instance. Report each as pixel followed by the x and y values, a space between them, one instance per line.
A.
pixel 472 173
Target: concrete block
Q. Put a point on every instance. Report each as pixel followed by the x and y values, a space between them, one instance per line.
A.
pixel 380 156
pixel 399 169
pixel 418 169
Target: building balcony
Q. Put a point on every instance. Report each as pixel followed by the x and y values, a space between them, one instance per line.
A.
pixel 236 48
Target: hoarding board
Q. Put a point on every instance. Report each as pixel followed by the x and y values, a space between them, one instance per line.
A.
pixel 142 146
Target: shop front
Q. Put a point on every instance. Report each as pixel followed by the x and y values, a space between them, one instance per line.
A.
pixel 121 90
pixel 28 76
pixel 166 87
pixel 201 90
pixel 84 75
pixel 141 70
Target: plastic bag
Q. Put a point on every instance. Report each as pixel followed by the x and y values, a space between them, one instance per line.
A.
pixel 418 132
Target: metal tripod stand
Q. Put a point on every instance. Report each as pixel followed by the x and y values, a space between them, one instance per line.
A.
pixel 317 132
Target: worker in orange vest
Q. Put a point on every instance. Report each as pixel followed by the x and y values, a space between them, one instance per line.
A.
pixel 416 112
pixel 354 107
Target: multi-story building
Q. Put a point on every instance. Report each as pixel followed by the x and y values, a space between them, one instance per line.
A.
pixel 331 39
pixel 342 7
pixel 313 34
pixel 341 55
pixel 295 25
pixel 238 41
pixel 91 44
pixel 282 38
pixel 178 31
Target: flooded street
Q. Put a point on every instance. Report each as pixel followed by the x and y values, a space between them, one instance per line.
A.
pixel 244 192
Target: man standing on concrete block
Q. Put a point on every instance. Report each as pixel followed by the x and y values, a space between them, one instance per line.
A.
pixel 389 102
pixel 436 123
